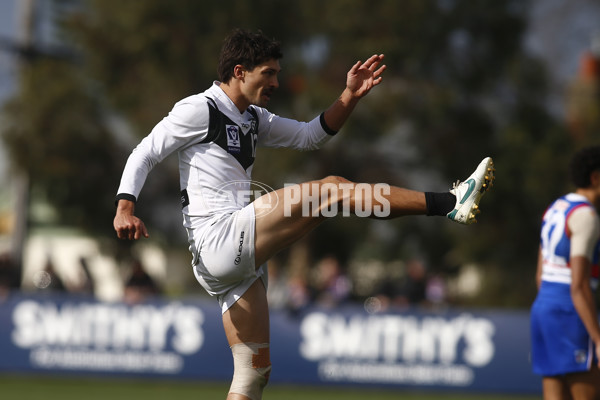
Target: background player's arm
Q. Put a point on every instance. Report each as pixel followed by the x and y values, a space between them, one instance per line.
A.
pixel 584 227
pixel 538 273
pixel 583 298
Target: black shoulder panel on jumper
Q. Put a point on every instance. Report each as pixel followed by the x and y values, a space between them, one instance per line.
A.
pixel 230 137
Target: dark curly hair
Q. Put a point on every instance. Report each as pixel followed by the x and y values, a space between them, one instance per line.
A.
pixel 248 49
pixel 583 163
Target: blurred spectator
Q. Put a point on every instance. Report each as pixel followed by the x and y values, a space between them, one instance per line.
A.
pixel 9 278
pixel 332 286
pixel 413 290
pixel 436 290
pixel 87 282
pixel 384 296
pixel 299 294
pixel 277 290
pixel 139 286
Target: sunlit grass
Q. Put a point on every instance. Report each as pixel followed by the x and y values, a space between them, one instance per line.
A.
pixel 20 387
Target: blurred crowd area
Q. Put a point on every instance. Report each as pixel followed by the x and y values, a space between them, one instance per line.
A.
pixel 138 286
pixel 292 286
pixel 377 285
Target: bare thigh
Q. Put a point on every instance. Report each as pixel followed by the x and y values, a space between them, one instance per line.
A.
pixel 282 217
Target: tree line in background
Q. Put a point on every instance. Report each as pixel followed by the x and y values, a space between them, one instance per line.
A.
pixel 458 87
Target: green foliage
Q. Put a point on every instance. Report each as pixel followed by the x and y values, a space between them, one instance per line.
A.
pixel 150 54
pixel 458 88
pixel 56 132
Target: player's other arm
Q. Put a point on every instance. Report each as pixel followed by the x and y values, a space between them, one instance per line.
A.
pixel 361 78
pixel 186 123
pixel 126 224
pixel 138 166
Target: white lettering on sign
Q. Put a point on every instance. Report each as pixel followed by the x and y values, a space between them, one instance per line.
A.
pixel 401 348
pixel 94 333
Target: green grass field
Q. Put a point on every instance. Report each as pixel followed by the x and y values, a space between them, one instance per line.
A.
pixel 61 388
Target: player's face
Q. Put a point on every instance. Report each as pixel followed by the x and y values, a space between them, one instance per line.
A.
pixel 260 83
pixel 595 186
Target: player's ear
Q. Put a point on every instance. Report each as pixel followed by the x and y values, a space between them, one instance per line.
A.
pixel 239 72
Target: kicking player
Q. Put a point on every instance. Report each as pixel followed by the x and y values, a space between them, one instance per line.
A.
pixel 216 134
pixel 565 336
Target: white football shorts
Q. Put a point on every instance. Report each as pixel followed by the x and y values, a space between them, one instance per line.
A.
pixel 224 256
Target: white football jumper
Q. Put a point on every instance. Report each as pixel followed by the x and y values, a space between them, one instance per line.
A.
pixel 217 147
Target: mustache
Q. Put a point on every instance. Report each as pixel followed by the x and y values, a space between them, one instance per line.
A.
pixel 268 91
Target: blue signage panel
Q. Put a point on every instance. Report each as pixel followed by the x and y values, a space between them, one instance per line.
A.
pixel 455 349
pixel 63 334
pixel 480 351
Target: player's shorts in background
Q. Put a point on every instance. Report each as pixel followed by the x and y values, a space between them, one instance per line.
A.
pixel 560 343
pixel 224 264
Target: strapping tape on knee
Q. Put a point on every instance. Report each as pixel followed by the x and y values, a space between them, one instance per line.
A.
pixel 251 369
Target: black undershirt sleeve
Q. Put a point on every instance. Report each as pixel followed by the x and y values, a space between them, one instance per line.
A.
pixel 124 196
pixel 326 128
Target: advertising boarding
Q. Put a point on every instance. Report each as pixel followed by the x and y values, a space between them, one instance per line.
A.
pixel 454 349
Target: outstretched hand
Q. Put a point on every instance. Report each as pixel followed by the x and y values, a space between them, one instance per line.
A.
pixel 362 77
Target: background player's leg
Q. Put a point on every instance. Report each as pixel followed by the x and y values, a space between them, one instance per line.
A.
pixel 247 321
pixel 554 388
pixel 282 217
pixel 585 385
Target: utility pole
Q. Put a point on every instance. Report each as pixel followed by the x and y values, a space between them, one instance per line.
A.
pixel 26 50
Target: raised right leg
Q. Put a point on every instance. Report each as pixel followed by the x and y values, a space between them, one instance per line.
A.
pixel 286 215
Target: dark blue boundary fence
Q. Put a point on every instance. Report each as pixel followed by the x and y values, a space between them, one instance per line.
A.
pixel 457 349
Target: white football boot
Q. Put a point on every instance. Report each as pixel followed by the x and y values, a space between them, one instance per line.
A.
pixel 469 193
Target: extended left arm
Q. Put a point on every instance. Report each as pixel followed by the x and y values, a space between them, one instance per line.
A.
pixel 285 132
pixel 361 78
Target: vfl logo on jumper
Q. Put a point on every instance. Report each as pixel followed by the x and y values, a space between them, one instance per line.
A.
pixel 238 257
pixel 233 138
